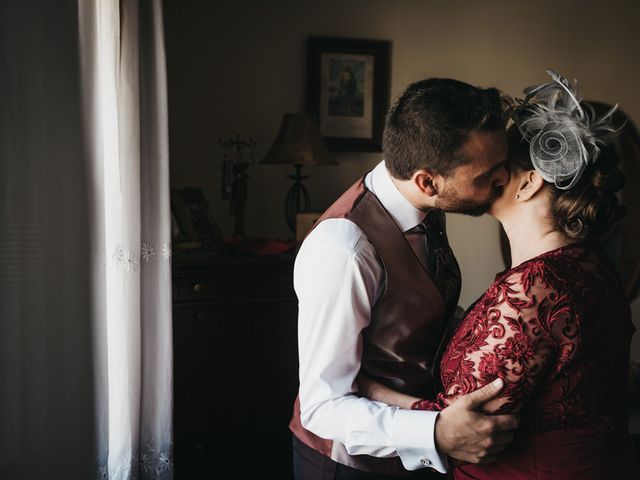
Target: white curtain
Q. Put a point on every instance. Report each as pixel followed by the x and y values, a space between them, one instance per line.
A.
pixel 85 292
pixel 124 80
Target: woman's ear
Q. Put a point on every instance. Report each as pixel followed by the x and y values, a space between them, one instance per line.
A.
pixel 529 185
pixel 427 182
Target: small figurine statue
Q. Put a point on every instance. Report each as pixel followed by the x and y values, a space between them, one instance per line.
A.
pixel 234 178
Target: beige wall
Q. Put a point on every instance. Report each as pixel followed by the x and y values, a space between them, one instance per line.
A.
pixel 237 66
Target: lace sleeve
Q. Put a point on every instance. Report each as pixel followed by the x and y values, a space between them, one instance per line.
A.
pixel 512 333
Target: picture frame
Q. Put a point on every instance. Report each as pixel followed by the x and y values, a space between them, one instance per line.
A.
pixel 305 221
pixel 194 226
pixel 348 89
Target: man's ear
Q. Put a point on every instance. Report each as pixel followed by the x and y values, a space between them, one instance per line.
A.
pixel 427 182
pixel 529 185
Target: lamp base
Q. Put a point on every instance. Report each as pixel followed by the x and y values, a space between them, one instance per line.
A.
pixel 298 198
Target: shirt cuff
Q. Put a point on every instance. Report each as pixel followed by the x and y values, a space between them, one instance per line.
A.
pixel 413 435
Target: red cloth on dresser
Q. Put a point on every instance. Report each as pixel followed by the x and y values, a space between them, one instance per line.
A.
pixel 557 330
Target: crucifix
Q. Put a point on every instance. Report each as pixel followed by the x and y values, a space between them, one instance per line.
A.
pixel 236 160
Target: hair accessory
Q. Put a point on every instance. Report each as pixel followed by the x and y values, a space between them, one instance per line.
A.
pixel 564 134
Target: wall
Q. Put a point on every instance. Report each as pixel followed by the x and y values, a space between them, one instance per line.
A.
pixel 237 66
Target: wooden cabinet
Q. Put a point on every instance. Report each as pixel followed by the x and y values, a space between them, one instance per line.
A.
pixel 235 365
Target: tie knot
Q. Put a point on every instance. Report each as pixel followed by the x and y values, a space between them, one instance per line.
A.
pixel 432 229
pixel 419 228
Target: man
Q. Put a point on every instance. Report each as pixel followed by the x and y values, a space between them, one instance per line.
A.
pixel 377 283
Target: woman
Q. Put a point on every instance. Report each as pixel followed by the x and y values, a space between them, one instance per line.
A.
pixel 555 326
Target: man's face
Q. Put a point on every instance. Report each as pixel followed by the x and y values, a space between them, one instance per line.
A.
pixel 471 188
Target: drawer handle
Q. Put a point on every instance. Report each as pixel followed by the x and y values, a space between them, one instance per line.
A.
pixel 198 288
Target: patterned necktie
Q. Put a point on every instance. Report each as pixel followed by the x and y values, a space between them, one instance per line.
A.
pixel 440 262
pixel 433 241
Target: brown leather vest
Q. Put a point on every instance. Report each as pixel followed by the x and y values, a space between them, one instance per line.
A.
pixel 407 321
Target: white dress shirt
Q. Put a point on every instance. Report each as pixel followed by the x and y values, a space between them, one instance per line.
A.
pixel 338 278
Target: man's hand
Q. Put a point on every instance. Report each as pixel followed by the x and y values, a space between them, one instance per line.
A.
pixel 466 434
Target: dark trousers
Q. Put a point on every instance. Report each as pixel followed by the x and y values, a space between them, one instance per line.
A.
pixel 311 465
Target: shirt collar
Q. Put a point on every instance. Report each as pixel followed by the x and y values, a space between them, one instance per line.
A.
pixel 402 211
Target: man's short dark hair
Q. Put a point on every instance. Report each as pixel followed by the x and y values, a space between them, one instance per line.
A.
pixel 432 119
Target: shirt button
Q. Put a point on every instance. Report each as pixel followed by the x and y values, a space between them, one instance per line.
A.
pixel 425 461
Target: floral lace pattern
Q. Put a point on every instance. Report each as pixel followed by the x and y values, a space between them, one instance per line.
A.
pixel 151 464
pixel 544 327
pixel 131 261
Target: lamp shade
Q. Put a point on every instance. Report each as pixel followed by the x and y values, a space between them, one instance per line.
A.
pixel 299 143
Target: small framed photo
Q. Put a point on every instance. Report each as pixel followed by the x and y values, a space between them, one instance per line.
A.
pixel 348 89
pixel 305 221
pixel 193 226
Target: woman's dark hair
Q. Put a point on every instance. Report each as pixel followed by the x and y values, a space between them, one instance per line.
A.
pixel 432 119
pixel 590 208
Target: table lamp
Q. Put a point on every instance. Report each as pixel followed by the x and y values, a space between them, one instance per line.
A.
pixel 298 143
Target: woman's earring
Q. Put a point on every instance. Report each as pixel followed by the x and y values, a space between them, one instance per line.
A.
pixel 517 196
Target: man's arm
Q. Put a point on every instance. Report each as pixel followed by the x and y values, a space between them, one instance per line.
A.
pixel 465 432
pixel 337 279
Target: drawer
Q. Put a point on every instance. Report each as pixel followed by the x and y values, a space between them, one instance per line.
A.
pixel 233 284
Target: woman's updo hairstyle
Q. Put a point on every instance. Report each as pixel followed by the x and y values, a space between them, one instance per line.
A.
pixel 570 144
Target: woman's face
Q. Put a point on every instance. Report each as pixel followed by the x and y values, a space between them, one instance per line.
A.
pixel 506 202
pixel 518 158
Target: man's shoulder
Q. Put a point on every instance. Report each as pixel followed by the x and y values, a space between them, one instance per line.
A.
pixel 337 234
pixel 337 246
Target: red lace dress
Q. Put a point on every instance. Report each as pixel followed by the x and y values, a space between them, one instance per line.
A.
pixel 557 330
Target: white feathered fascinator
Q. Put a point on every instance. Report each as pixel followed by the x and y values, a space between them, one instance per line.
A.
pixel 564 134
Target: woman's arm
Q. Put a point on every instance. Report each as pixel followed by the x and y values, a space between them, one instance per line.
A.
pixel 510 338
pixel 376 391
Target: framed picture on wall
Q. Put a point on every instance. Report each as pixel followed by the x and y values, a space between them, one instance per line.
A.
pixel 348 89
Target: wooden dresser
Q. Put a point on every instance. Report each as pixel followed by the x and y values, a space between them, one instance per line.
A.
pixel 235 365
